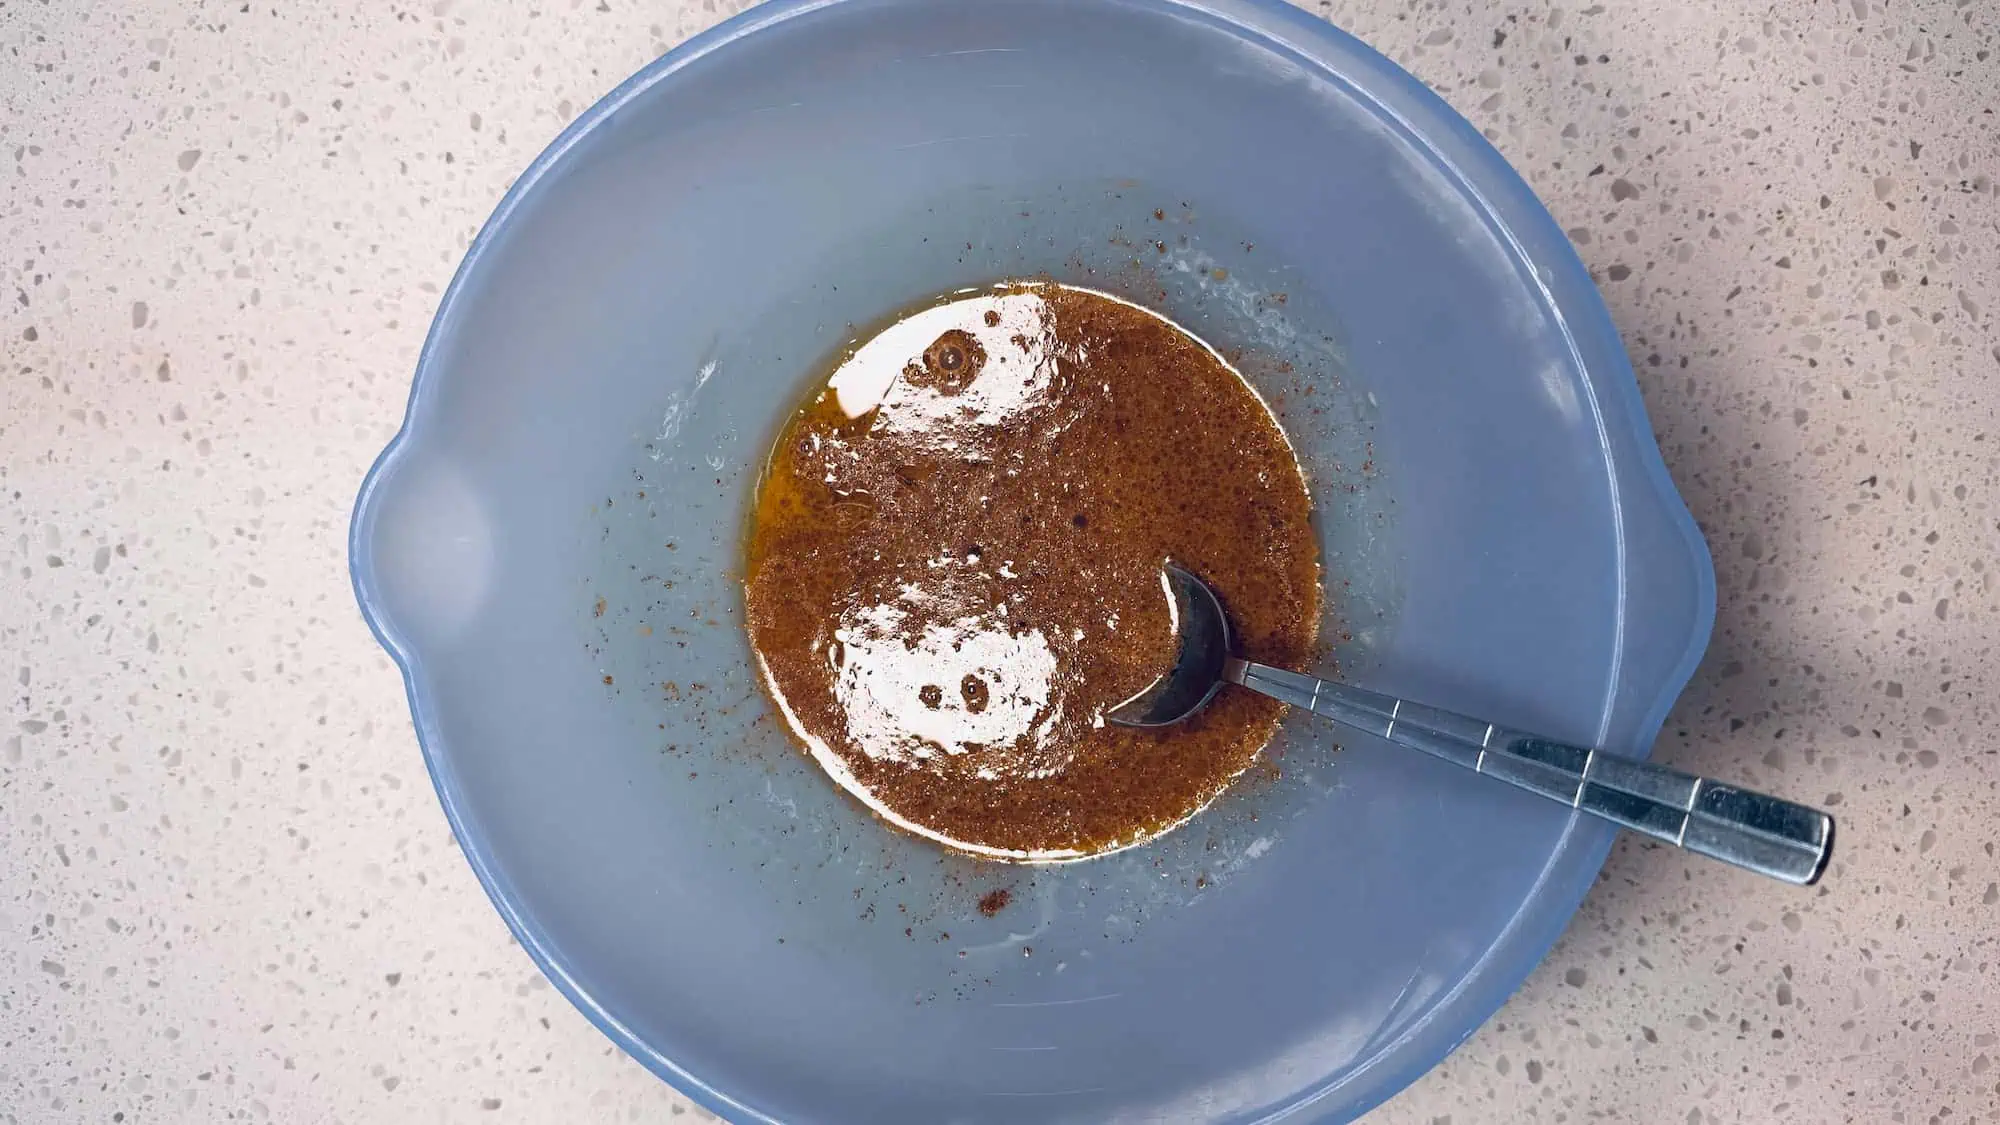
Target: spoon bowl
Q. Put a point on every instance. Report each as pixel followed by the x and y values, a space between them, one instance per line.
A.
pixel 1202 662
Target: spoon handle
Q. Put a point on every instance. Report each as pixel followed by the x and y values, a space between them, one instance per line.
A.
pixel 1753 831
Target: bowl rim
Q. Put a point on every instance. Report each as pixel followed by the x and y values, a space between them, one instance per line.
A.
pixel 1505 201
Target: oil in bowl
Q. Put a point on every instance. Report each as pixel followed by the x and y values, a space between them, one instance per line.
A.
pixel 954 568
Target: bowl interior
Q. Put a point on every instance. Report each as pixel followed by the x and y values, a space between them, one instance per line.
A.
pixel 551 551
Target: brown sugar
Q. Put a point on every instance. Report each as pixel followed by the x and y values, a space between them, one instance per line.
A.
pixel 954 563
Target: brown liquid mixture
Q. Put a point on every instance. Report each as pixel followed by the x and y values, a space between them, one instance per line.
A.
pixel 954 568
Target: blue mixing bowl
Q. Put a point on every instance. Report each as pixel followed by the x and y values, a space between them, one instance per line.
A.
pixel 549 549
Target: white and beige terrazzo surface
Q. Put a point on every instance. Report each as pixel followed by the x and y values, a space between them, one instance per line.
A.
pixel 228 892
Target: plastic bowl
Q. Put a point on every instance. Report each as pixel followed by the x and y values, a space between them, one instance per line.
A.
pixel 548 548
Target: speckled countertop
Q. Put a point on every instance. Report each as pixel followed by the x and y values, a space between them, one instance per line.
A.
pixel 228 891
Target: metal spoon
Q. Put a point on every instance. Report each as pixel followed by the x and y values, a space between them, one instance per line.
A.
pixel 1762 834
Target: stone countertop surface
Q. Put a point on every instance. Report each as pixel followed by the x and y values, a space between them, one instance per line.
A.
pixel 228 890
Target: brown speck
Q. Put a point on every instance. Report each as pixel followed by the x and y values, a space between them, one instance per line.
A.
pixel 598 610
pixel 949 365
pixel 975 692
pixel 607 681
pixel 995 901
